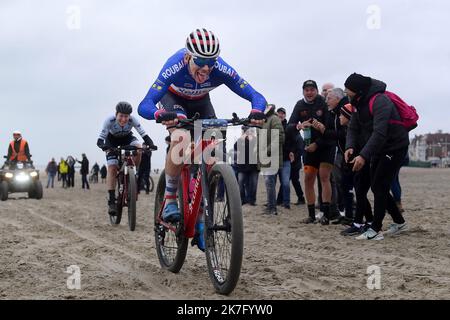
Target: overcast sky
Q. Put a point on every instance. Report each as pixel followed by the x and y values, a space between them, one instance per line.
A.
pixel 58 84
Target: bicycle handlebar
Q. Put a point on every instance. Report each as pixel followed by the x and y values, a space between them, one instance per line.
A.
pixel 133 148
pixel 235 121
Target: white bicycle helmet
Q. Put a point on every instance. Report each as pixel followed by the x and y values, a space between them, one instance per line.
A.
pixel 203 44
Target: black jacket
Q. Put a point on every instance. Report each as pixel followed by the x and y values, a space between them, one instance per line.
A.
pixel 374 133
pixel 95 169
pixel 84 166
pixel 334 129
pixel 146 163
pixel 243 145
pixel 318 110
pixel 298 153
pixel 290 139
pixel 103 172
pixel 52 168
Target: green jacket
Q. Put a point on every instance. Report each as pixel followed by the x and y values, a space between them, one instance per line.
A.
pixel 273 123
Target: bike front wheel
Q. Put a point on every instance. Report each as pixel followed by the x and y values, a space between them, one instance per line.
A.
pixel 115 220
pixel 151 187
pixel 224 230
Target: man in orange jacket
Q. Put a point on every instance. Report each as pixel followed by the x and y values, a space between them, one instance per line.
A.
pixel 18 150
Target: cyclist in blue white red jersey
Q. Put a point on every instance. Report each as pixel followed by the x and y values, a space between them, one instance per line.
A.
pixel 182 90
pixel 186 79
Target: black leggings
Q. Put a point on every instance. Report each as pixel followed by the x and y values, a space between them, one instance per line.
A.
pixel 383 170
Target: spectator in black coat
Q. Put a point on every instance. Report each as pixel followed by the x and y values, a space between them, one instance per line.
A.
pixel 103 173
pixel 84 171
pixel 247 166
pixel 51 170
pixel 383 149
pixel 284 173
pixel 144 172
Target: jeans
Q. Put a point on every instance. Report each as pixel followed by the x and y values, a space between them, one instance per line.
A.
pixel 295 180
pixel 396 189
pixel 248 183
pixel 51 180
pixel 271 181
pixel 383 170
pixel 284 193
pixel 236 173
pixel 84 181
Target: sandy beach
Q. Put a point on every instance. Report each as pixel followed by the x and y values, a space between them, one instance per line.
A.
pixel 283 259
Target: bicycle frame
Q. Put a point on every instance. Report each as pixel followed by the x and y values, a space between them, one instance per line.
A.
pixel 200 192
pixel 125 163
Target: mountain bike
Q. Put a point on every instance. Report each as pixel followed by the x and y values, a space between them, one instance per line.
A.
pixel 126 186
pixel 197 194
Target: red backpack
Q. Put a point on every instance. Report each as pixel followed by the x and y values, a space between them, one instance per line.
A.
pixel 408 114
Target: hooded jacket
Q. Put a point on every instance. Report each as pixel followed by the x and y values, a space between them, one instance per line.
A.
pixel 373 133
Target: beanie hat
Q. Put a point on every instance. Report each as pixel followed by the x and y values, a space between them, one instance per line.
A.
pixel 358 83
pixel 347 111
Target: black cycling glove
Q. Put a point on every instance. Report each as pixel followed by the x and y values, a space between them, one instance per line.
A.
pixel 102 145
pixel 161 116
pixel 149 143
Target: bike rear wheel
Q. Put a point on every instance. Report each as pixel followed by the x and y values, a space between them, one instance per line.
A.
pixel 151 187
pixel 224 231
pixel 115 220
pixel 132 199
pixel 171 247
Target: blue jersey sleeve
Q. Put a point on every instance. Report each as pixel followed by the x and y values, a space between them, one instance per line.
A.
pixel 238 85
pixel 169 73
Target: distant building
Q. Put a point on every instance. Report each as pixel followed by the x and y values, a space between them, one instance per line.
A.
pixel 433 148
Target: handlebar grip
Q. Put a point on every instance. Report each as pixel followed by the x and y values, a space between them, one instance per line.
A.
pixel 152 148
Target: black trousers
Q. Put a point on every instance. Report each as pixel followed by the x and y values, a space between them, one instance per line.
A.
pixel 295 180
pixel 85 182
pixel 343 177
pixel 144 181
pixel 71 179
pixel 362 187
pixel 383 170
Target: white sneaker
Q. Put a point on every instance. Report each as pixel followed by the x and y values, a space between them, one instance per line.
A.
pixel 396 228
pixel 370 234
